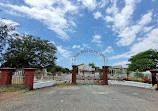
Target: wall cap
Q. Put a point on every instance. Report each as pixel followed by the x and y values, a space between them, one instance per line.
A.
pixel 154 70
pixel 29 68
pixel 7 68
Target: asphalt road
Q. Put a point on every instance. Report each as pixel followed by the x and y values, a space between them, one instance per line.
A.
pixel 84 98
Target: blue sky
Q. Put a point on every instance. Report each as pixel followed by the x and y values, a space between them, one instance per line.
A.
pixel 117 28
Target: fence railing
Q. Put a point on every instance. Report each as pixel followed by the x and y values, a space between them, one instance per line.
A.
pixel 18 77
pixel 50 77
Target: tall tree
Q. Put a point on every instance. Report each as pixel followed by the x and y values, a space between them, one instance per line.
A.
pixel 6 27
pixel 144 61
pixel 29 51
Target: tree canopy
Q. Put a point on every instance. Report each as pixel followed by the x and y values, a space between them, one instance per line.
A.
pixel 29 51
pixel 144 61
pixel 93 66
pixel 6 27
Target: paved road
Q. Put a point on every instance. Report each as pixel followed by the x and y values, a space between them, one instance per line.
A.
pixel 84 98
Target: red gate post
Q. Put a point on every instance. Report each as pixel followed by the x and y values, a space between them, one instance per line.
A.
pixel 105 75
pixel 29 77
pixel 6 76
pixel 74 70
pixel 154 79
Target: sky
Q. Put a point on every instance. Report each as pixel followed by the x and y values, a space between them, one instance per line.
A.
pixel 117 28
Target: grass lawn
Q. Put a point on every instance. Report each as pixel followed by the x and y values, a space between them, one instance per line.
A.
pixel 12 88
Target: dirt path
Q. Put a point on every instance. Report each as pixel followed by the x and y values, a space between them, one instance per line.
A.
pixel 84 98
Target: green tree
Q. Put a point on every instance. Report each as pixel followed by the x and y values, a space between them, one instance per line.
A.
pixel 144 61
pixel 93 66
pixel 58 69
pixel 29 51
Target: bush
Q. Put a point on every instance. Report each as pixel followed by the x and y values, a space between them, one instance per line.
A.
pixel 146 80
pixel 139 74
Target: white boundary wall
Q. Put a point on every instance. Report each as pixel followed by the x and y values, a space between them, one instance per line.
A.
pixel 130 83
pixel 44 84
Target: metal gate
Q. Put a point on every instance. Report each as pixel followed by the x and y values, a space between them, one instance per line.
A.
pixel 18 77
pixel 89 77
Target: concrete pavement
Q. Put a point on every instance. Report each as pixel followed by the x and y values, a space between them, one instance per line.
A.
pixel 84 98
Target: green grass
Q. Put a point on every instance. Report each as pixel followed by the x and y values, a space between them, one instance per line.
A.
pixel 12 88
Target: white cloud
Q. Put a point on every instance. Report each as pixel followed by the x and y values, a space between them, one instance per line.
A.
pixel 146 19
pixel 102 3
pixel 113 9
pixel 8 22
pixel 109 19
pixel 129 34
pixel 76 46
pixel 63 52
pixel 97 39
pixel 123 25
pixel 122 63
pixel 52 13
pixel 52 42
pixel 109 49
pixel 124 55
pixel 150 41
pixel 147 29
pixel 86 46
pixel 90 4
pixel 97 15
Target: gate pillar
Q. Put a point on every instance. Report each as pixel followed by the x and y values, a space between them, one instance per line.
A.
pixel 74 70
pixel 6 76
pixel 105 75
pixel 154 77
pixel 29 77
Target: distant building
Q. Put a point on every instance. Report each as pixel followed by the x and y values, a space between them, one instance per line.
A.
pixel 84 67
pixel 117 70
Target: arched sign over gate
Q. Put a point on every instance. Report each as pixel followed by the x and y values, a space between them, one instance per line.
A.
pixel 89 51
pixel 104 68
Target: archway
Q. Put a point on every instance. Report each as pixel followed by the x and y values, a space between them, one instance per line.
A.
pixel 104 67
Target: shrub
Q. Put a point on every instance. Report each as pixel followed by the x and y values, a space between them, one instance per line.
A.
pixel 139 74
pixel 146 80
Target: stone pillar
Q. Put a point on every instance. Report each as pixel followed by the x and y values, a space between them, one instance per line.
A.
pixel 105 75
pixel 74 71
pixel 29 77
pixel 154 79
pixel 6 76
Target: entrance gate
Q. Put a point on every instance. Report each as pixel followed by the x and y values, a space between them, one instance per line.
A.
pixel 104 69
